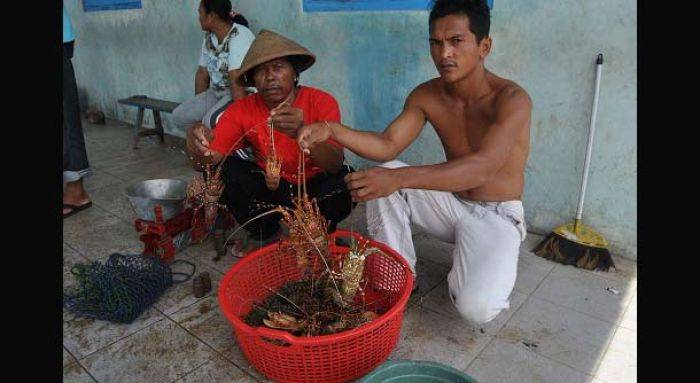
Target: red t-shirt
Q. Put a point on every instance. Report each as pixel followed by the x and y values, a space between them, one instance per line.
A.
pixel 248 116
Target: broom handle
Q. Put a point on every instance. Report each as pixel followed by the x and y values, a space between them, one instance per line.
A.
pixel 591 131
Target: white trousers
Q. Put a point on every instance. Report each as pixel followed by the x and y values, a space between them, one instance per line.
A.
pixel 487 237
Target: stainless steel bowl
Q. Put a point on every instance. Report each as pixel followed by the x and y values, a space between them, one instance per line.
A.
pixel 170 194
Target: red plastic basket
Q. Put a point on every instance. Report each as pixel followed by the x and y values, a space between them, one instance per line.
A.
pixel 340 357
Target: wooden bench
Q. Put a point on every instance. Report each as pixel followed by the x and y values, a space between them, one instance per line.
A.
pixel 155 105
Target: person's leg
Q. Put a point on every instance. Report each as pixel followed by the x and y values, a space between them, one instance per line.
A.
pixel 389 218
pixel 192 110
pixel 75 161
pixel 214 111
pixel 485 259
pixel 333 197
pixel 247 196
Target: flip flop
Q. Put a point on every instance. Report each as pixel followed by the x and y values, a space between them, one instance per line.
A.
pixel 75 208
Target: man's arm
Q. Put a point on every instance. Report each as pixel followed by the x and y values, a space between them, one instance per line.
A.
pixel 201 80
pixel 197 145
pixel 237 89
pixel 204 146
pixel 380 147
pixel 464 173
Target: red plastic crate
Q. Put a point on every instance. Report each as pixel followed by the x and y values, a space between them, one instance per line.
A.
pixel 341 357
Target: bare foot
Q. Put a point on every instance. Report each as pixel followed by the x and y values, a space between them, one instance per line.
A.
pixel 75 195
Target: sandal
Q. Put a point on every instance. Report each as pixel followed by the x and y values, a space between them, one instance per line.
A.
pixel 75 208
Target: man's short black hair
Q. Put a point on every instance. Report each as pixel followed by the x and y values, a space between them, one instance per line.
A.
pixel 477 11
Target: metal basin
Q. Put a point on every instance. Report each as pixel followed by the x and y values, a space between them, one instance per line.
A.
pixel 170 194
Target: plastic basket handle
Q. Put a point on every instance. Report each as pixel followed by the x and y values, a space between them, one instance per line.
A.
pixel 187 275
pixel 269 333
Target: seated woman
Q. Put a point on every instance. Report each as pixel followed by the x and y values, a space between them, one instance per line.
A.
pixel 226 41
pixel 268 121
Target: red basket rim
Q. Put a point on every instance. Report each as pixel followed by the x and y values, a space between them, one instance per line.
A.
pixel 318 339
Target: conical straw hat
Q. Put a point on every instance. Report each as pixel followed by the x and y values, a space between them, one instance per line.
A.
pixel 268 46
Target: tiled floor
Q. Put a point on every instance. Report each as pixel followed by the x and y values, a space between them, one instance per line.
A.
pixel 562 326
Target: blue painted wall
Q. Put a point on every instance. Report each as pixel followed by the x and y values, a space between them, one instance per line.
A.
pixel 371 60
pixel 368 5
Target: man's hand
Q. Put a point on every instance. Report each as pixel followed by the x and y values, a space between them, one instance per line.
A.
pixel 198 139
pixel 312 134
pixel 368 184
pixel 287 119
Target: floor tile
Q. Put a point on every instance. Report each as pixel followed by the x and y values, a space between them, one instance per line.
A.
pixel 234 354
pixel 86 220
pixel 75 373
pixel 429 276
pixel 625 271
pixel 432 249
pixel 427 335
pixel 99 180
pixel 629 319
pixel 103 237
pixel 70 259
pixel 586 292
pixel 204 254
pixel 531 271
pixel 114 200
pixel 560 334
pixel 207 322
pixel 438 300
pixel 619 364
pixel 531 241
pixel 83 336
pixel 160 353
pixel 505 362
pixel 217 369
pixel 67 358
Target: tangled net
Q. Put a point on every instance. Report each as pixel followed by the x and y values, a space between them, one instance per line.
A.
pixel 121 289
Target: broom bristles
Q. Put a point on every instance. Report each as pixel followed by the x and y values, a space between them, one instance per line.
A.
pixel 562 250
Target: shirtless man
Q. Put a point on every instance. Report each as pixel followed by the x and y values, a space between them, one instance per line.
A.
pixel 474 198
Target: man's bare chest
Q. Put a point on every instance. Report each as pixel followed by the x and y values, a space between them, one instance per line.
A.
pixel 461 131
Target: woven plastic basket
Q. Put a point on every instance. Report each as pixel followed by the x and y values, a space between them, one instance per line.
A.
pixel 339 357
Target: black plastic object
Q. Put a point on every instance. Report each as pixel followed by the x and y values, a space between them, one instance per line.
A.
pixel 122 288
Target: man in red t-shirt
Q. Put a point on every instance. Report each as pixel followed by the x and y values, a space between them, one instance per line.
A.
pixel 268 121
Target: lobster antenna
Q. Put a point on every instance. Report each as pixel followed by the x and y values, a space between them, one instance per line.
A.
pixel 272 138
pixel 303 171
pixel 298 177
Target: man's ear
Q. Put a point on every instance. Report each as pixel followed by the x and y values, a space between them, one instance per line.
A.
pixel 485 47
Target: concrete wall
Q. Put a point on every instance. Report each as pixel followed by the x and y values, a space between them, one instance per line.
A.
pixel 371 60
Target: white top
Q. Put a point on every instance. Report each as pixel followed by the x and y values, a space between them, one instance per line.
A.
pixel 219 59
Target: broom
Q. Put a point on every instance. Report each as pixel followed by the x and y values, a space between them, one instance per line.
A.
pixel 575 243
